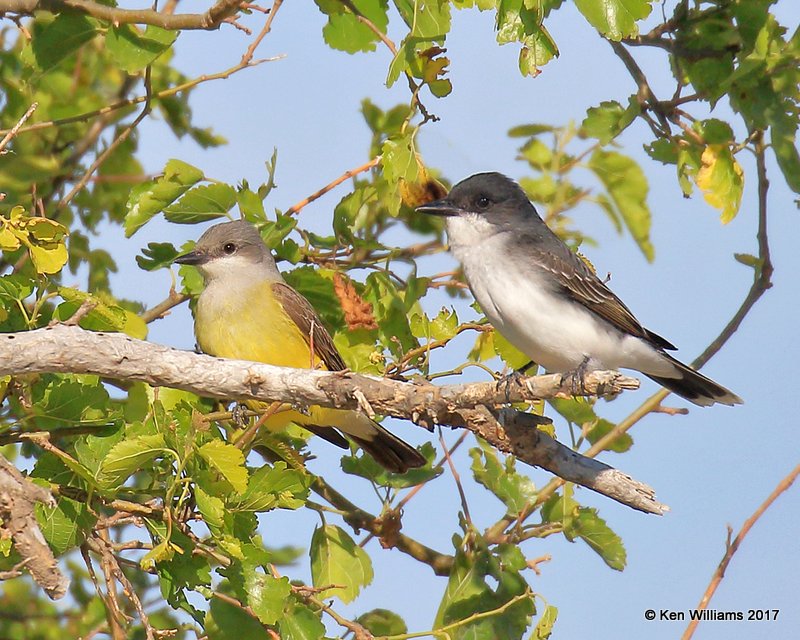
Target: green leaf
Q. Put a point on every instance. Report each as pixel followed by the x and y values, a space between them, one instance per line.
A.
pixel 134 50
pixel 211 508
pixel 66 525
pixel 621 443
pixel 544 627
pixel 71 400
pixel 276 487
pixel 427 19
pixel 714 131
pixel 615 19
pixel 607 121
pixel 382 622
pixel 748 259
pixel 518 21
pixel 178 565
pixel 15 287
pixel 538 154
pixel 267 595
pixel 514 489
pixel 483 349
pixel 593 530
pixel 663 150
pixel 102 316
pixel 128 457
pixel 561 509
pixel 627 185
pixel 228 461
pixel 513 357
pixel 345 32
pixel 300 623
pixel 150 198
pixel 59 39
pixel 92 449
pixel 227 622
pixel 442 327
pixel 783 136
pixel 273 233
pixel 157 255
pixel 468 591
pixel 336 559
pixel 399 159
pixel 202 203
pixel 251 205
pixel 580 412
pixel 722 180
pixel 318 290
pixel 527 130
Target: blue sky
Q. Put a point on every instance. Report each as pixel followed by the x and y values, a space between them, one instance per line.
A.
pixel 713 466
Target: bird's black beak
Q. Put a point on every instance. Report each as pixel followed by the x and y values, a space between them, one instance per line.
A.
pixel 193 257
pixel 439 208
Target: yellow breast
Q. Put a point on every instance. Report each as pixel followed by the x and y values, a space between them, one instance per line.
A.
pixel 249 324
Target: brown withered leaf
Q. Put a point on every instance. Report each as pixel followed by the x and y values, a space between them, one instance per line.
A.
pixel 424 190
pixel 357 311
pixel 390 525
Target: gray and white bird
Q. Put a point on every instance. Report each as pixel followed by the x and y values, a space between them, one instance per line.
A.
pixel 544 299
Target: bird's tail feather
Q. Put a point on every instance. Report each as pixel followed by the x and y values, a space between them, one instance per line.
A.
pixel 389 451
pixel 695 387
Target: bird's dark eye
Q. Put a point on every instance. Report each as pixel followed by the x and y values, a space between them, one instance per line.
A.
pixel 229 248
pixel 483 202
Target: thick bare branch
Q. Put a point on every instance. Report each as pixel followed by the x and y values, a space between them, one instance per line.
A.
pixel 211 19
pixel 17 499
pixel 69 349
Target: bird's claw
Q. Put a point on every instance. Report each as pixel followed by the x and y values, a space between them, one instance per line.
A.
pixel 577 378
pixel 238 415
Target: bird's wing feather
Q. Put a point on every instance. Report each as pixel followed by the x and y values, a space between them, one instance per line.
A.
pixel 305 317
pixel 583 286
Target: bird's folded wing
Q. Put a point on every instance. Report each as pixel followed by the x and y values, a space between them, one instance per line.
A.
pixel 305 317
pixel 583 286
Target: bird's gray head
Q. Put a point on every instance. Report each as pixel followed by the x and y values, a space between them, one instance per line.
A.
pixel 484 205
pixel 231 249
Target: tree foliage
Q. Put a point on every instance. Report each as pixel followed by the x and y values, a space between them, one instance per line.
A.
pixel 158 497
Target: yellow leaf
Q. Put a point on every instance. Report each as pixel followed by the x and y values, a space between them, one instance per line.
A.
pixel 8 241
pixel 721 179
pixel 134 326
pixel 45 243
pixel 48 260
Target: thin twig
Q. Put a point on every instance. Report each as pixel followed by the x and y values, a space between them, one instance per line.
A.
pixel 359 519
pixel 162 308
pixel 456 477
pixel 100 159
pixel 251 50
pixel 425 349
pixel 13 131
pixel 733 546
pixel 331 185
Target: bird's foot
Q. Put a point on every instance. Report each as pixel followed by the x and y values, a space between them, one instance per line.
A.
pixel 515 377
pixel 577 378
pixel 238 415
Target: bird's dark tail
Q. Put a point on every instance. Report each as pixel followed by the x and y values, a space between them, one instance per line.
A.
pixel 389 451
pixel 695 387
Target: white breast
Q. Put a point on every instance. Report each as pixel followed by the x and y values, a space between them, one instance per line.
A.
pixel 520 302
